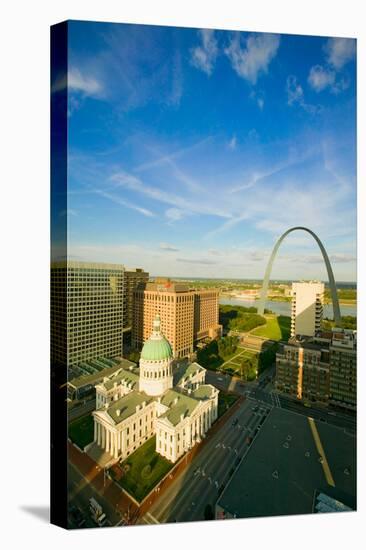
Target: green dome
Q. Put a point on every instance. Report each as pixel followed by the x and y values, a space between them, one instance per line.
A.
pixel 157 347
pixel 156 350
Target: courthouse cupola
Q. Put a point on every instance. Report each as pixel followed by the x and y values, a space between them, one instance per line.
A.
pixel 156 370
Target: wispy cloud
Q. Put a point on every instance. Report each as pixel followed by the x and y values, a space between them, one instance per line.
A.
pixel 203 57
pixel 123 202
pixel 83 83
pixel 295 96
pixel 175 214
pixel 251 58
pixel 79 82
pixel 179 202
pixel 334 258
pixel 233 143
pixel 193 261
pixel 339 51
pixel 168 247
pixel 167 158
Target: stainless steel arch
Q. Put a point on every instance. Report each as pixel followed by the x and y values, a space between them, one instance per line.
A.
pixel 333 289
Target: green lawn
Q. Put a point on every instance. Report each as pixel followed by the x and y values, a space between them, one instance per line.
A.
pixel 226 400
pixel 81 431
pixel 145 468
pixel 276 328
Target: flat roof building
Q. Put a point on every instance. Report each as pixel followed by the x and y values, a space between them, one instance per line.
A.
pixel 320 369
pixel 283 472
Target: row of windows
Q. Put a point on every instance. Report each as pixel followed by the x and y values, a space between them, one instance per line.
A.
pixel 157 374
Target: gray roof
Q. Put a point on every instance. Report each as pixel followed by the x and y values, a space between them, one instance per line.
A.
pixel 185 371
pixel 274 479
pixel 179 404
pixel 127 376
pixel 126 405
pixel 92 378
pixel 204 391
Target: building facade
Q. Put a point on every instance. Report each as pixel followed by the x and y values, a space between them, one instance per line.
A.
pixel 86 311
pixel 343 369
pixel 135 405
pixel 186 315
pixel 133 277
pixel 306 308
pixel 206 314
pixel 320 369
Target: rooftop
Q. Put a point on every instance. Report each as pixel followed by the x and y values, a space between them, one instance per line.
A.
pixel 75 264
pixel 126 405
pixel 93 372
pixel 185 370
pixel 281 471
pixel 179 404
pixel 128 376
pixel 204 391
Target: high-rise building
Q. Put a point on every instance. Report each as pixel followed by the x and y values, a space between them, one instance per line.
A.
pixel 206 314
pixel 302 369
pixel 320 369
pixel 175 305
pixel 86 311
pixel 343 368
pixel 133 277
pixel 186 315
pixel 307 308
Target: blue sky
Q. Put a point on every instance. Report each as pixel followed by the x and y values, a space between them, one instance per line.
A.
pixel 191 151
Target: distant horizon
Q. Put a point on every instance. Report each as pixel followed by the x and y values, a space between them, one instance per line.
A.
pixel 198 278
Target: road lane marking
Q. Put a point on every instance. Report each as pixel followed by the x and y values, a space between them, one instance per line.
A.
pixel 320 449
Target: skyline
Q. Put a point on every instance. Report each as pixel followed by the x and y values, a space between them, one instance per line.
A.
pixel 191 150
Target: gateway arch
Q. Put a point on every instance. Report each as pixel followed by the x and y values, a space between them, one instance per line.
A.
pixel 333 290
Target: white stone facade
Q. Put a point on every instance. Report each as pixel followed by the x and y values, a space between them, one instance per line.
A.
pixel 134 406
pixel 156 377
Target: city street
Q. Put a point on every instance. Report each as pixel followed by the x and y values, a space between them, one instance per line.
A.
pixel 263 392
pixel 81 490
pixel 199 485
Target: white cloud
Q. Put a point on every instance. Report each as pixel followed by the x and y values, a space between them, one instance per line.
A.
pixel 204 56
pixel 252 59
pixel 81 83
pixel 295 96
pixel 321 78
pixel 340 51
pixel 295 93
pixel 258 97
pixel 174 214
